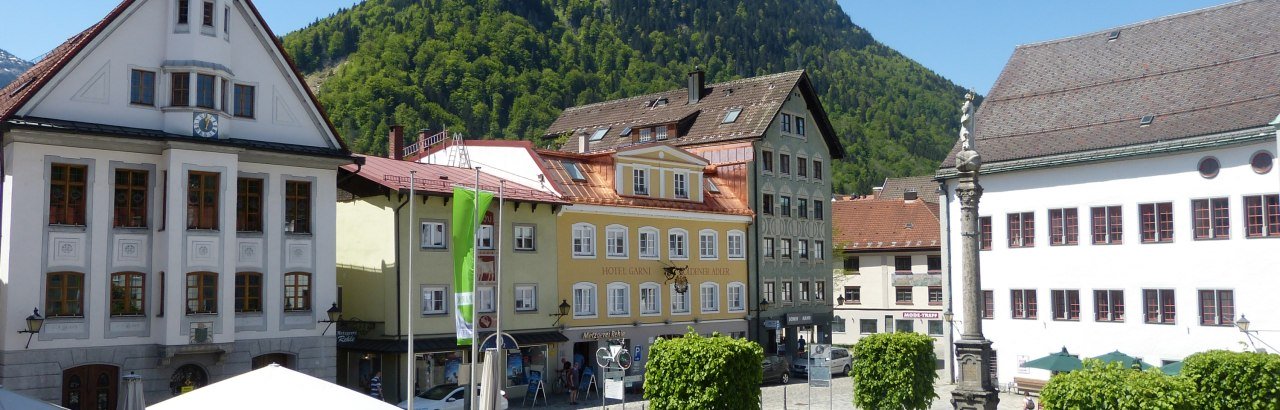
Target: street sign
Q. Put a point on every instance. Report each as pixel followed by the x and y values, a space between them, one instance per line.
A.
pixel 614 374
pixel 773 324
pixel 613 389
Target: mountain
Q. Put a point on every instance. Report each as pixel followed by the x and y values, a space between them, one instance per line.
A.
pixel 11 67
pixel 505 69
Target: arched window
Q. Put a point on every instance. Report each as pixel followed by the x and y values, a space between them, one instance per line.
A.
pixel 297 291
pixel 128 293
pixel 737 245
pixel 187 377
pixel 648 242
pixel 737 293
pixel 619 294
pixel 584 299
pixel 615 241
pixel 248 292
pixel 708 244
pixel 64 294
pixel 202 293
pixel 584 240
pixel 650 299
pixel 709 297
pixel 677 244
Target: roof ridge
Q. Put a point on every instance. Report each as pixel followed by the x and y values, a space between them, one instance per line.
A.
pixel 674 90
pixel 1139 23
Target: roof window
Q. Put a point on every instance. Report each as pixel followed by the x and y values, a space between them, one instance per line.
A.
pixel 711 186
pixel 1146 120
pixel 625 131
pixel 658 102
pixel 575 173
pixel 599 134
pixel 1112 36
pixel 731 116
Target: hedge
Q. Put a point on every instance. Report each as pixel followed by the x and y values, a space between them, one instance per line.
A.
pixel 894 371
pixel 1112 387
pixel 695 372
pixel 1234 380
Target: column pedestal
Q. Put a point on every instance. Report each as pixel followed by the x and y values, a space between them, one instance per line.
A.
pixel 974 390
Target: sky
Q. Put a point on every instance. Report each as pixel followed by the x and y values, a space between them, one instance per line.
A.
pixel 966 41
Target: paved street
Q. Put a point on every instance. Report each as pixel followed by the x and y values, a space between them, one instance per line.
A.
pixel 797 396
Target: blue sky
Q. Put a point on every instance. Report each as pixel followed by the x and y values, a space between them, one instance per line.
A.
pixel 967 41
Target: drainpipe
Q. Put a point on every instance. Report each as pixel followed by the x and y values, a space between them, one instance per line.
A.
pixel 396 222
pixel 946 238
pixel 758 326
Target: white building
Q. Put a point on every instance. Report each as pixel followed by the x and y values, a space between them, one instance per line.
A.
pixel 168 206
pixel 1129 191
pixel 891 279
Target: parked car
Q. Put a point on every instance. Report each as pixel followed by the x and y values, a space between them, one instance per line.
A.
pixel 841 363
pixel 775 368
pixel 447 397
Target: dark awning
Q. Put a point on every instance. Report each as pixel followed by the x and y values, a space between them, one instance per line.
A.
pixel 447 343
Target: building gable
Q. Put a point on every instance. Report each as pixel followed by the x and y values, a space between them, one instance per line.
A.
pixel 91 77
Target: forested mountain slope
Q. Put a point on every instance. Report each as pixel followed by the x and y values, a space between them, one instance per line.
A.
pixel 505 69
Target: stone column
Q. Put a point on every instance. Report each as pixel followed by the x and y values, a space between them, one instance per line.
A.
pixel 974 390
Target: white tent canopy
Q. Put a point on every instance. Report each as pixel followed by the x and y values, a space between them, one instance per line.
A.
pixel 272 387
pixel 14 401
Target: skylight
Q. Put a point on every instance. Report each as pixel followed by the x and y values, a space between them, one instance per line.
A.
pixel 1113 35
pixel 575 173
pixel 711 186
pixel 626 131
pixel 1146 120
pixel 599 134
pixel 731 116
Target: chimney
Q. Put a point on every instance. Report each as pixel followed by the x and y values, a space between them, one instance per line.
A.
pixel 395 142
pixel 910 195
pixel 582 143
pixel 875 191
pixel 696 84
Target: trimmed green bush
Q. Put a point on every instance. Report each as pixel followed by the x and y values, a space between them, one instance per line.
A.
pixel 695 372
pixel 894 371
pixel 1234 380
pixel 1112 387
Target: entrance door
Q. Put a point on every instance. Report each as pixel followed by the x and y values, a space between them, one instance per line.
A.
pixel 90 387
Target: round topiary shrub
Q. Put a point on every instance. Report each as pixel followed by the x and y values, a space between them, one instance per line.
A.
pixel 894 371
pixel 695 372
pixel 1234 380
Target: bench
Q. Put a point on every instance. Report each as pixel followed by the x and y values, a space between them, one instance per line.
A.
pixel 1027 386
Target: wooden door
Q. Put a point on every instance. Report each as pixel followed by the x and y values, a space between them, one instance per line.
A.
pixel 90 387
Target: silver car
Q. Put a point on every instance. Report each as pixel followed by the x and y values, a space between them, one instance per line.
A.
pixel 841 363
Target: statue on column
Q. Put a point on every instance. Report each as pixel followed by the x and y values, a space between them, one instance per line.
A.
pixel 966 124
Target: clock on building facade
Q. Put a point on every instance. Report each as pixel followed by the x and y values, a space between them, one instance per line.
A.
pixel 205 125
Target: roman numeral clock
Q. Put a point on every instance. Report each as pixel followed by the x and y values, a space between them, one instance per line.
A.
pixel 205 125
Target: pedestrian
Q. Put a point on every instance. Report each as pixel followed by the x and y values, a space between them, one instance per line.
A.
pixel 572 380
pixel 375 385
pixel 800 350
pixel 1031 404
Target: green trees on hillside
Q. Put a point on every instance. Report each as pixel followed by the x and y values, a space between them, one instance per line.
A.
pixel 506 68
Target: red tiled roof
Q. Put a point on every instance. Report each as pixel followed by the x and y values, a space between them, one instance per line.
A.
pixel 760 98
pixel 18 92
pixel 441 179
pixel 863 225
pixel 1204 72
pixel 598 188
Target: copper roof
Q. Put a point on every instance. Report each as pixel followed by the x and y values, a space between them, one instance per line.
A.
pixel 597 188
pixel 18 92
pixel 758 98
pixel 865 225
pixel 439 180
pixel 1198 73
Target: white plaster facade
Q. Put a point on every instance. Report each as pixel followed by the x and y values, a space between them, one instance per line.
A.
pixel 69 119
pixel 1245 266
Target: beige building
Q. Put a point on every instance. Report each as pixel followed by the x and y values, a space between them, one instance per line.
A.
pixel 891 277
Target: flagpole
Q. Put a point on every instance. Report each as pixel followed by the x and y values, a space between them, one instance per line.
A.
pixel 475 262
pixel 409 289
pixel 501 355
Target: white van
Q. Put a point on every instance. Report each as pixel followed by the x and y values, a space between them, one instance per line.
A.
pixel 841 362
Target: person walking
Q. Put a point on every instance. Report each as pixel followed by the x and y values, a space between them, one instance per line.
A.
pixel 375 386
pixel 572 380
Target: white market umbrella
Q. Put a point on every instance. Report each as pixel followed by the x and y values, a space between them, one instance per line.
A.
pixel 272 387
pixel 133 399
pixel 14 401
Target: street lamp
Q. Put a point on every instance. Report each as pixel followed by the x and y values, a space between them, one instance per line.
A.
pixel 335 316
pixel 1243 324
pixel 839 300
pixel 948 316
pixel 34 323
pixel 563 311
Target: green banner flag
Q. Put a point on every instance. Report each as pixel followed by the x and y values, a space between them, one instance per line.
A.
pixel 465 204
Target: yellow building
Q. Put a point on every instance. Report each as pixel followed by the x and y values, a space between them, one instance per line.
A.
pixel 377 236
pixel 653 243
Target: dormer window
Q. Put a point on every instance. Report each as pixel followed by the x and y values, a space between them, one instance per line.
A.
pixel 640 181
pixel 681 185
pixel 661 132
pixel 645 135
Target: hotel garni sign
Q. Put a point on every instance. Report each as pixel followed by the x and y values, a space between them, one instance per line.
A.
pixel 657 271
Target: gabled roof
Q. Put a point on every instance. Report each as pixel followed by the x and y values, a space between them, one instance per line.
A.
pixel 597 187
pixel 18 92
pixel 438 180
pixel 870 225
pixel 759 98
pixel 1198 73
pixel 894 188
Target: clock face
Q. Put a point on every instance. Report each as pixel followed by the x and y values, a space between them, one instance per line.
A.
pixel 205 125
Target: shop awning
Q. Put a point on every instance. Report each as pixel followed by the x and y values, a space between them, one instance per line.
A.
pixel 447 343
